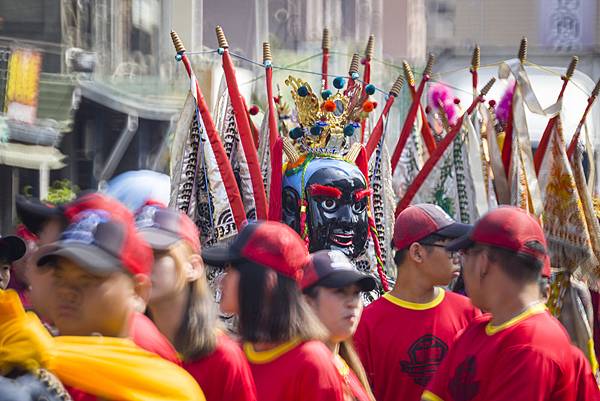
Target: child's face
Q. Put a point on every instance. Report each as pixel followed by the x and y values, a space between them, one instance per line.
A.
pixel 4 273
pixel 85 303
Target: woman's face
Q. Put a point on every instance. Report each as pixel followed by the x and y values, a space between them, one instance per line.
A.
pixel 229 291
pixel 164 277
pixel 339 310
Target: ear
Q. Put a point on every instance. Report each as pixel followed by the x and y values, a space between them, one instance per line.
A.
pixel 141 287
pixel 483 265
pixel 194 269
pixel 271 280
pixel 416 252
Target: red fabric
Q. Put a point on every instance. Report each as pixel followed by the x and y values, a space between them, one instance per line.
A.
pixel 575 138
pixel 306 372
pixel 426 132
pixel 507 145
pixel 146 335
pixel 243 125
pixel 277 246
pixel 398 361
pixel 532 360
pixel 273 130
pixel 225 169
pixel 541 150
pixel 225 374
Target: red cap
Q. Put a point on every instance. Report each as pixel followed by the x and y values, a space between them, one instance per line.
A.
pixel 267 243
pixel 101 237
pixel 421 220
pixel 510 228
pixel 162 227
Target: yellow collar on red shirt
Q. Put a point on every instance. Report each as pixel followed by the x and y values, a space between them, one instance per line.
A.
pixel 271 354
pixel 416 306
pixel 490 329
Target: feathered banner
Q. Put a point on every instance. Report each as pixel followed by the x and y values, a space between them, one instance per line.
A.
pixel 249 167
pixel 200 167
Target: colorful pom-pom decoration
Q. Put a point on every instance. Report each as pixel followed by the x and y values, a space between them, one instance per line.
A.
pixel 456 100
pixel 302 91
pixel 349 130
pixel 316 130
pixel 253 110
pixel 370 89
pixel 368 106
pixel 220 50
pixel 374 105
pixel 297 133
pixel 492 103
pixel 326 94
pixel 339 82
pixel 329 106
pixel 427 109
pixel 178 57
pixel 355 76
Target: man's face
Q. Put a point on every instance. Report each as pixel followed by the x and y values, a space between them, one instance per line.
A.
pixel 84 303
pixel 337 218
pixel 439 265
pixel 4 273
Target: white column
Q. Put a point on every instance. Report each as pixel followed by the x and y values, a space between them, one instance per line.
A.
pixel 44 180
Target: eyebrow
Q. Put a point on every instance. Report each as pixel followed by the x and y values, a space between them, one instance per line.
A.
pixel 361 194
pixel 324 190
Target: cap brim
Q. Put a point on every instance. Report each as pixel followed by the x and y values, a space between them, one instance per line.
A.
pixel 158 239
pixel 12 247
pixel 455 230
pixel 345 278
pixel 88 257
pixel 219 256
pixel 34 214
pixel 463 242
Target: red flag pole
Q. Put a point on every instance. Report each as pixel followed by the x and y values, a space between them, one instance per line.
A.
pixel 541 150
pixel 375 136
pixel 243 125
pixel 231 188
pixel 412 114
pixel 439 151
pixel 325 44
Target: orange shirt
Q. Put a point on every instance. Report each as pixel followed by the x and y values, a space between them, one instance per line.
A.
pixel 528 358
pixel 401 344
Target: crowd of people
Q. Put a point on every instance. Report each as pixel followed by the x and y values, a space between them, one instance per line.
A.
pixel 93 269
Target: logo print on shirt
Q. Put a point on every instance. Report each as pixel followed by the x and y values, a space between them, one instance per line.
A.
pixel 425 355
pixel 463 386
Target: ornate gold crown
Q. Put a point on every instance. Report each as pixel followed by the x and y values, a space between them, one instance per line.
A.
pixel 326 121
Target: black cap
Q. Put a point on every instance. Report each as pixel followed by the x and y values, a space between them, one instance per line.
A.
pixel 332 269
pixel 34 213
pixel 12 248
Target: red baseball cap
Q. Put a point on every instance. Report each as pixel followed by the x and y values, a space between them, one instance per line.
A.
pixel 332 269
pixel 266 243
pixel 507 227
pixel 161 227
pixel 101 243
pixel 421 220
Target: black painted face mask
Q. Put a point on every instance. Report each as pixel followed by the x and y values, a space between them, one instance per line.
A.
pixel 337 206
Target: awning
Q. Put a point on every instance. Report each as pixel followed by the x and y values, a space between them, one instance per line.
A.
pixel 31 156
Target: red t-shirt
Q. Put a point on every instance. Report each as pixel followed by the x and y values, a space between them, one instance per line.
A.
pixel 225 374
pixel 401 344
pixel 528 358
pixel 353 387
pixel 295 371
pixel 146 335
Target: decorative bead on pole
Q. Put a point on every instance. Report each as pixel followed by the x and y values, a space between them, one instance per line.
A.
pixel 353 71
pixel 410 77
pixel 523 50
pixel 221 39
pixel 476 58
pixel 369 50
pixel 397 87
pixel 429 65
pixel 179 48
pixel 325 43
pixel 571 68
pixel 267 58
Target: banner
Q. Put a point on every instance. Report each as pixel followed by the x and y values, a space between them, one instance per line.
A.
pixel 22 85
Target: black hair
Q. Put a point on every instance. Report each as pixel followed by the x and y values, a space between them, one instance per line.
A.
pixel 273 315
pixel 520 266
pixel 400 255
